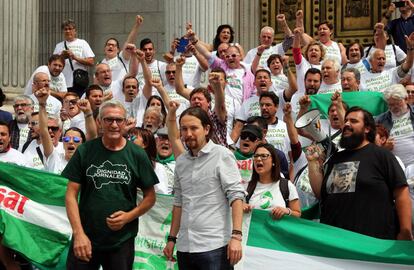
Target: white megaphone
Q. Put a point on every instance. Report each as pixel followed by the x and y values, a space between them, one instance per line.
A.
pixel 311 123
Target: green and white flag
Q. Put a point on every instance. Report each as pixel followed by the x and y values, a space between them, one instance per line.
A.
pixel 293 243
pixel 370 101
pixel 33 218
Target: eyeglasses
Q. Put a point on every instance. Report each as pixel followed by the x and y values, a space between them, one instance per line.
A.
pixel 72 101
pixel 110 120
pixel 20 105
pixel 249 136
pixel 52 128
pixel 410 92
pixel 231 55
pixel 34 123
pixel 170 72
pixel 68 138
pixel 261 156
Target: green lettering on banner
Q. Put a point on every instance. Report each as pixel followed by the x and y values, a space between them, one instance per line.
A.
pixel 154 228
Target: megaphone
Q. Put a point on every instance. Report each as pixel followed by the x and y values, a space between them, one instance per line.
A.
pixel 311 123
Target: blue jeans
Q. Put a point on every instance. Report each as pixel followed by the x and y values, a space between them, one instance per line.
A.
pixel 210 260
pixel 119 259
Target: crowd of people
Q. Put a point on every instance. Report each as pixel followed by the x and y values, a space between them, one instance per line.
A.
pixel 224 147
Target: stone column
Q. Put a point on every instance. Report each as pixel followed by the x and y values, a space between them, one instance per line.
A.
pixel 18 43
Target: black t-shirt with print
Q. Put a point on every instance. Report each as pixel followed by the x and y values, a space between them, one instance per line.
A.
pixel 357 191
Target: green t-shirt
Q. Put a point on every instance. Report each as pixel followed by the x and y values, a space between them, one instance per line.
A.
pixel 109 182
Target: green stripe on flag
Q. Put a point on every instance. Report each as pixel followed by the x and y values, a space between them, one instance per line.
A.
pixel 36 243
pixel 39 186
pixel 371 101
pixel 305 237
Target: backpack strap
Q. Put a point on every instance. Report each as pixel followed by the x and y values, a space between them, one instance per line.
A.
pixel 25 145
pixel 367 53
pixel 70 60
pixel 120 59
pixel 39 152
pixel 284 189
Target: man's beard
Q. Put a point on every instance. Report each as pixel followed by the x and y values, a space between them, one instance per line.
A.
pixel 352 141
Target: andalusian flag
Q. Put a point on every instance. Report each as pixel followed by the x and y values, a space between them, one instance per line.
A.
pixel 370 101
pixel 33 218
pixel 293 243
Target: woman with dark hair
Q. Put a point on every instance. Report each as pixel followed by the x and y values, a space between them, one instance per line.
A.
pixel 4 116
pixel 145 139
pixel 156 101
pixel 267 189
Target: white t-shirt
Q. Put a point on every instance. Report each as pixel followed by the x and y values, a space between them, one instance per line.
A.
pixel 192 72
pixel 116 88
pixel 33 158
pixel 157 69
pixel 56 162
pixel 279 83
pixel 268 196
pixel 277 49
pixel 78 121
pixel 53 105
pixel 57 84
pixel 162 187
pixel 278 137
pixel 138 109
pixel 23 134
pixel 389 55
pixel 359 66
pixel 378 82
pixel 117 68
pixel 14 156
pixel 330 88
pixel 234 87
pixel 81 49
pixel 172 94
pixel 333 52
pixel 403 134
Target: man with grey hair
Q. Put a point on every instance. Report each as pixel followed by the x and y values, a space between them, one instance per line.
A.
pixel 350 78
pixel 379 79
pixel 266 39
pixel 42 80
pixel 330 77
pixel 106 172
pixel 153 119
pixel 19 126
pixel 399 121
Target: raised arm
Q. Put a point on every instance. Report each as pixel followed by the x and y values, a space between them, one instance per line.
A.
pixel 132 37
pixel 313 154
pixel 296 49
pixel 90 124
pixel 179 81
pixel 173 132
pixel 42 95
pixel 155 82
pixel 281 21
pixel 147 89
pixel 388 13
pixel 200 48
pixel 408 62
pixel 305 38
pixel 202 61
pixel 218 84
pixel 256 59
pixel 130 50
pixel 293 85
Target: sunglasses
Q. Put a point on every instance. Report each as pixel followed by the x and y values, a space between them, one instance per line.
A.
pixel 76 139
pixel 53 129
pixel 110 120
pixel 34 123
pixel 170 72
pixel 249 136
pixel 20 105
pixel 231 55
pixel 410 92
pixel 72 102
pixel 261 156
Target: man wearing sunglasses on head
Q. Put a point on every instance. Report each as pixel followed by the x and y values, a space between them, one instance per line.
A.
pixel 107 172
